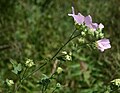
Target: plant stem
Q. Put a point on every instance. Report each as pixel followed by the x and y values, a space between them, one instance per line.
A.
pixel 63 45
pixel 24 73
pixel 70 38
pixel 17 87
pixel 43 89
pixel 54 90
pixel 35 71
pixel 23 78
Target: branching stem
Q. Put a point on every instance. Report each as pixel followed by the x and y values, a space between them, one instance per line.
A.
pixel 23 78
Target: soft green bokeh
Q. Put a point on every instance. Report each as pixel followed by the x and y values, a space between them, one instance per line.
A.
pixel 35 29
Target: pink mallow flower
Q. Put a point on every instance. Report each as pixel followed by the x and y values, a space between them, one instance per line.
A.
pixel 103 44
pixel 93 26
pixel 79 18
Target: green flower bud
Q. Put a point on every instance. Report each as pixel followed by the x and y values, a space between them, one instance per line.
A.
pixel 68 57
pixel 101 35
pixel 70 53
pixel 81 40
pixel 9 82
pixel 83 33
pixel 59 70
pixel 58 85
pixel 116 82
pixel 64 52
pixel 29 63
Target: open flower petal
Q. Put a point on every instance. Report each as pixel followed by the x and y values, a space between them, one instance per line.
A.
pixel 88 20
pixel 103 44
pixel 89 24
pixel 79 18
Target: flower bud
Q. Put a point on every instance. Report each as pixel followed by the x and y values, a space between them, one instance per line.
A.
pixel 70 53
pixel 9 82
pixel 59 70
pixel 58 85
pixel 83 33
pixel 101 35
pixel 81 40
pixel 64 52
pixel 68 57
pixel 29 63
pixel 116 82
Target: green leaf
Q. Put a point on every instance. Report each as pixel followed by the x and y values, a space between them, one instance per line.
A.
pixel 16 67
pixel 19 67
pixel 15 71
pixel 13 62
pixel 87 76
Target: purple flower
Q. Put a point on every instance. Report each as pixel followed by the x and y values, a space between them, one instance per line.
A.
pixel 79 18
pixel 103 44
pixel 93 26
pixel 88 23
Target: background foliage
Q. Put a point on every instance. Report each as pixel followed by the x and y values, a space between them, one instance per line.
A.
pixel 35 29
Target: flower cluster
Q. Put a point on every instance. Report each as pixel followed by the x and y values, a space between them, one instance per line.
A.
pixel 68 56
pixel 91 28
pixel 80 19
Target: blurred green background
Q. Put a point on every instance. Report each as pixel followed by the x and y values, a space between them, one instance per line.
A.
pixel 35 29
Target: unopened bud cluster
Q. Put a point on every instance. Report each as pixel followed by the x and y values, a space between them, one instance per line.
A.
pixel 29 63
pixel 68 56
